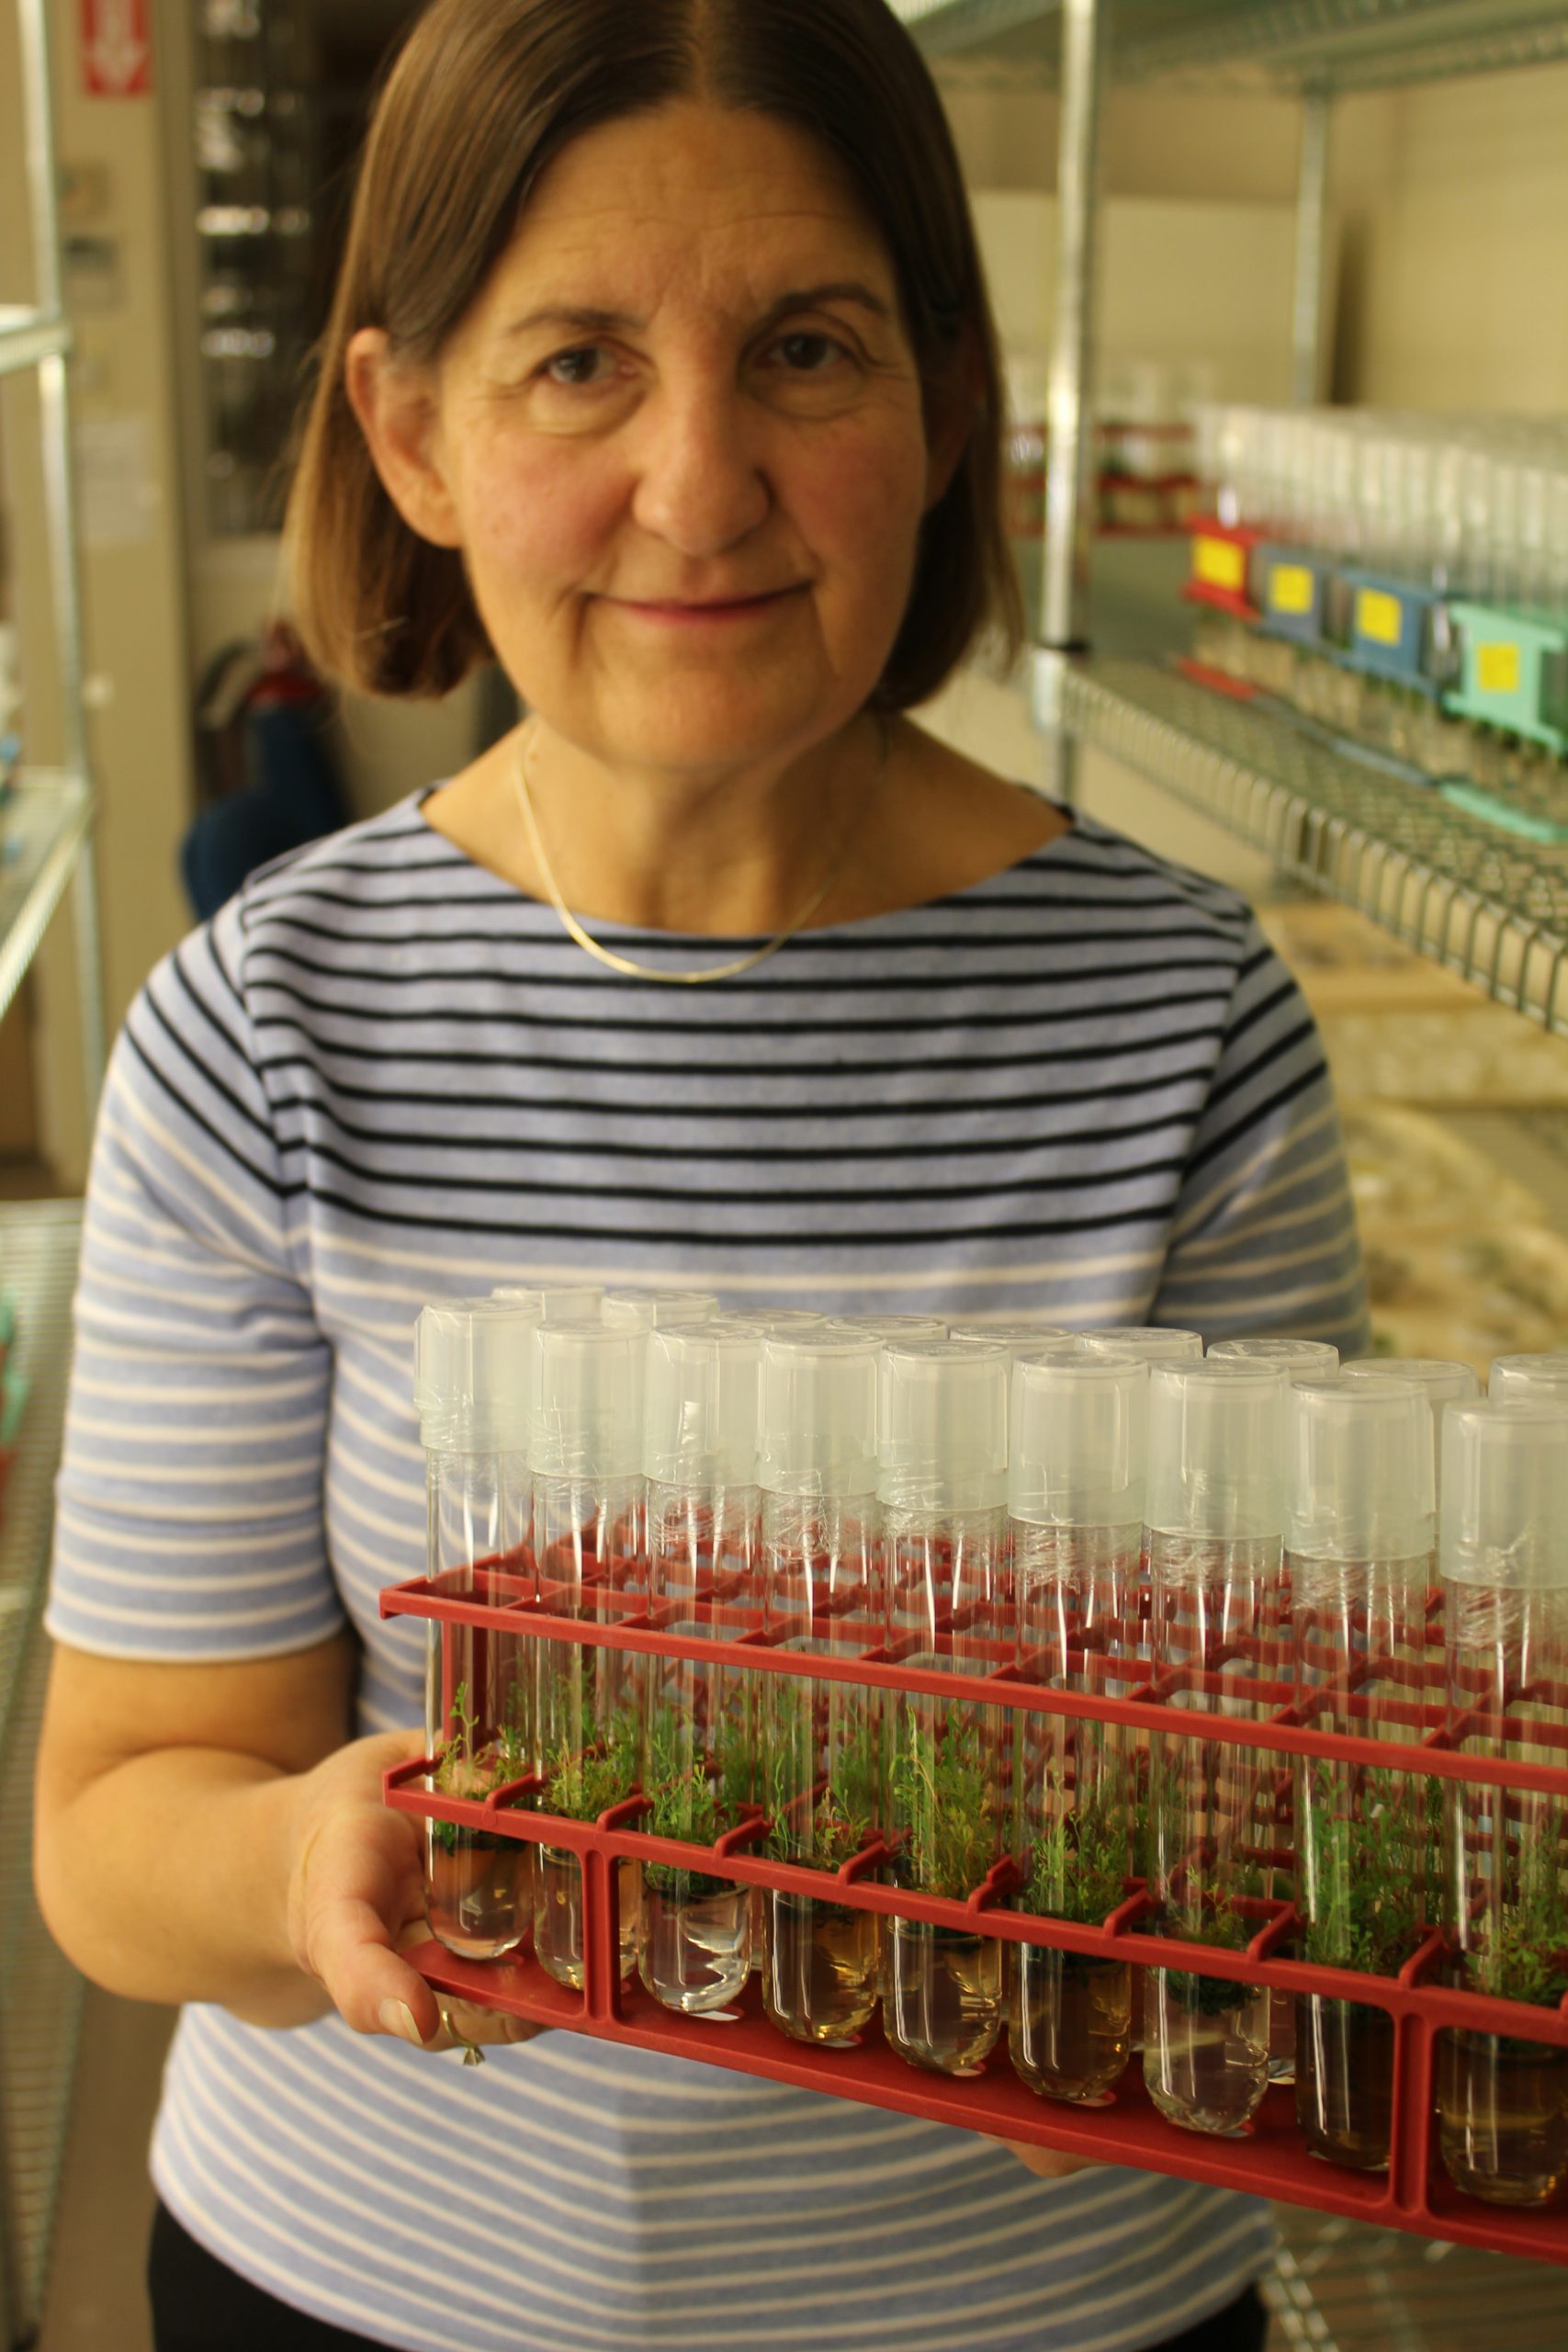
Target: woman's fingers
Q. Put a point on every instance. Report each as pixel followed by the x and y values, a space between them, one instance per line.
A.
pixel 356 1905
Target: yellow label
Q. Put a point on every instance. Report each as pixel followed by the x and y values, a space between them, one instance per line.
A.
pixel 1290 588
pixel 1379 615
pixel 1219 564
pixel 1497 669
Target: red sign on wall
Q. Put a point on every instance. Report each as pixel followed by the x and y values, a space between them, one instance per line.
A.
pixel 116 48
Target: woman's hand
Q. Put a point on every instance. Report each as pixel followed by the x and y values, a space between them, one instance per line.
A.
pixel 1046 2163
pixel 356 1903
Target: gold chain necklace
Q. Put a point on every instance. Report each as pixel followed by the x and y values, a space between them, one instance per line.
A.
pixel 714 971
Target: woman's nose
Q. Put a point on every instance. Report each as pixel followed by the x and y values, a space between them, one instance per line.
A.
pixel 700 481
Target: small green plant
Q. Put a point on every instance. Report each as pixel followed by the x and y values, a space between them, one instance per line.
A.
pixel 843 1808
pixel 1201 1915
pixel 685 1800
pixel 582 1784
pixel 1520 1950
pixel 1362 1870
pixel 469 1769
pixel 942 1798
pixel 1079 1859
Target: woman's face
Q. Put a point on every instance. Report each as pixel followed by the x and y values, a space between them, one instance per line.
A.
pixel 681 436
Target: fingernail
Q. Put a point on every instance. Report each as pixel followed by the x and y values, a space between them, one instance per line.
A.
pixel 398 2018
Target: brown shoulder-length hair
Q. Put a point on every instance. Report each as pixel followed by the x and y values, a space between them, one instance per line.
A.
pixel 481 96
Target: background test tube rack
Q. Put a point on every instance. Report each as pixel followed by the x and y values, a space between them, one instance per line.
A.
pixel 504 1597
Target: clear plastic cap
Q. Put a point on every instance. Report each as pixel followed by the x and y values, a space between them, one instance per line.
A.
pixel 1503 1494
pixel 566 1303
pixel 770 1322
pixel 816 1426
pixel 1303 1359
pixel 1360 1471
pixel 1019 1337
pixel 657 1310
pixel 1545 1377
pixel 1216 1460
pixel 943 1427
pixel 699 1405
pixel 588 1414
pixel 887 1329
pixel 1149 1341
pixel 1443 1382
pixel 473 1376
pixel 1079 1438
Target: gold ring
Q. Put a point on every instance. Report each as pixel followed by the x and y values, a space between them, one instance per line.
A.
pixel 472 2054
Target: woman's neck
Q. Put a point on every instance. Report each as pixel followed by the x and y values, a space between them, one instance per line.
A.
pixel 739 857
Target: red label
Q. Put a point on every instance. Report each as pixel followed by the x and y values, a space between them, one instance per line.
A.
pixel 116 48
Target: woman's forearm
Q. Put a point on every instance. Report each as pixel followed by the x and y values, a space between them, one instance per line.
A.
pixel 167 1879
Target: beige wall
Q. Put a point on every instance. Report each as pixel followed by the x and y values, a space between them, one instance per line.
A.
pixel 1449 205
pixel 1454 222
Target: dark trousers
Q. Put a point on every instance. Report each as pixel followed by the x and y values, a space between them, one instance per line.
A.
pixel 200 2305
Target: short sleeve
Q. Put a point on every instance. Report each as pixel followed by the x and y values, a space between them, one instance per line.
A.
pixel 190 1513
pixel 1264 1236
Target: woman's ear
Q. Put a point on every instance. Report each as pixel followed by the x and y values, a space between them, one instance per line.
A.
pixel 395 402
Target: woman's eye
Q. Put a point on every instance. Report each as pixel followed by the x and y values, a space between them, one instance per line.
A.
pixel 808 352
pixel 579 366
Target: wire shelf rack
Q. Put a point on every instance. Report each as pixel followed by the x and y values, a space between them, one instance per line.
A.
pixel 43 824
pixel 40 1994
pixel 1485 905
pixel 1291 45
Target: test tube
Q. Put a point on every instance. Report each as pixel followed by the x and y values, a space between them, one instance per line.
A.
pixel 471 1388
pixel 700 1769
pixel 1358 1547
pixel 942 1486
pixel 1503 2099
pixel 1075 1458
pixel 1215 1529
pixel 821 1764
pixel 589 1539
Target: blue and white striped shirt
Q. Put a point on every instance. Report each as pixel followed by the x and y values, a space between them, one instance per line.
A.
pixel 1084 1091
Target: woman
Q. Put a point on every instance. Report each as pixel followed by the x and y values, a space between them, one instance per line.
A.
pixel 660 366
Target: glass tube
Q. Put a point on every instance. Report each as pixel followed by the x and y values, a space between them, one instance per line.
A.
pixel 942 1441
pixel 590 1541
pixel 471 1388
pixel 700 1767
pixel 1503 2099
pixel 1075 1495
pixel 1359 1559
pixel 821 1758
pixel 1214 1546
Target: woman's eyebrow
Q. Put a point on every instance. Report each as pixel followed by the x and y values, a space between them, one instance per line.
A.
pixel 585 320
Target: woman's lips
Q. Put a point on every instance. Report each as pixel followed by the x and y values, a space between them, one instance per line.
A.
pixel 708 615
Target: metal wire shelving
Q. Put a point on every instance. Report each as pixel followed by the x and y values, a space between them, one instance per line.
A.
pixel 1285 45
pixel 1487 906
pixel 40 1994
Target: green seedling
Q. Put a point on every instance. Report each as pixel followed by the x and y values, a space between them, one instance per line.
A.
pixel 942 1798
pixel 1079 1859
pixel 1518 1950
pixel 473 1770
pixel 1362 1870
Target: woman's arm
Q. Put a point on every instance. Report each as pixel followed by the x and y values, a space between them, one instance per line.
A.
pixel 204 1833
